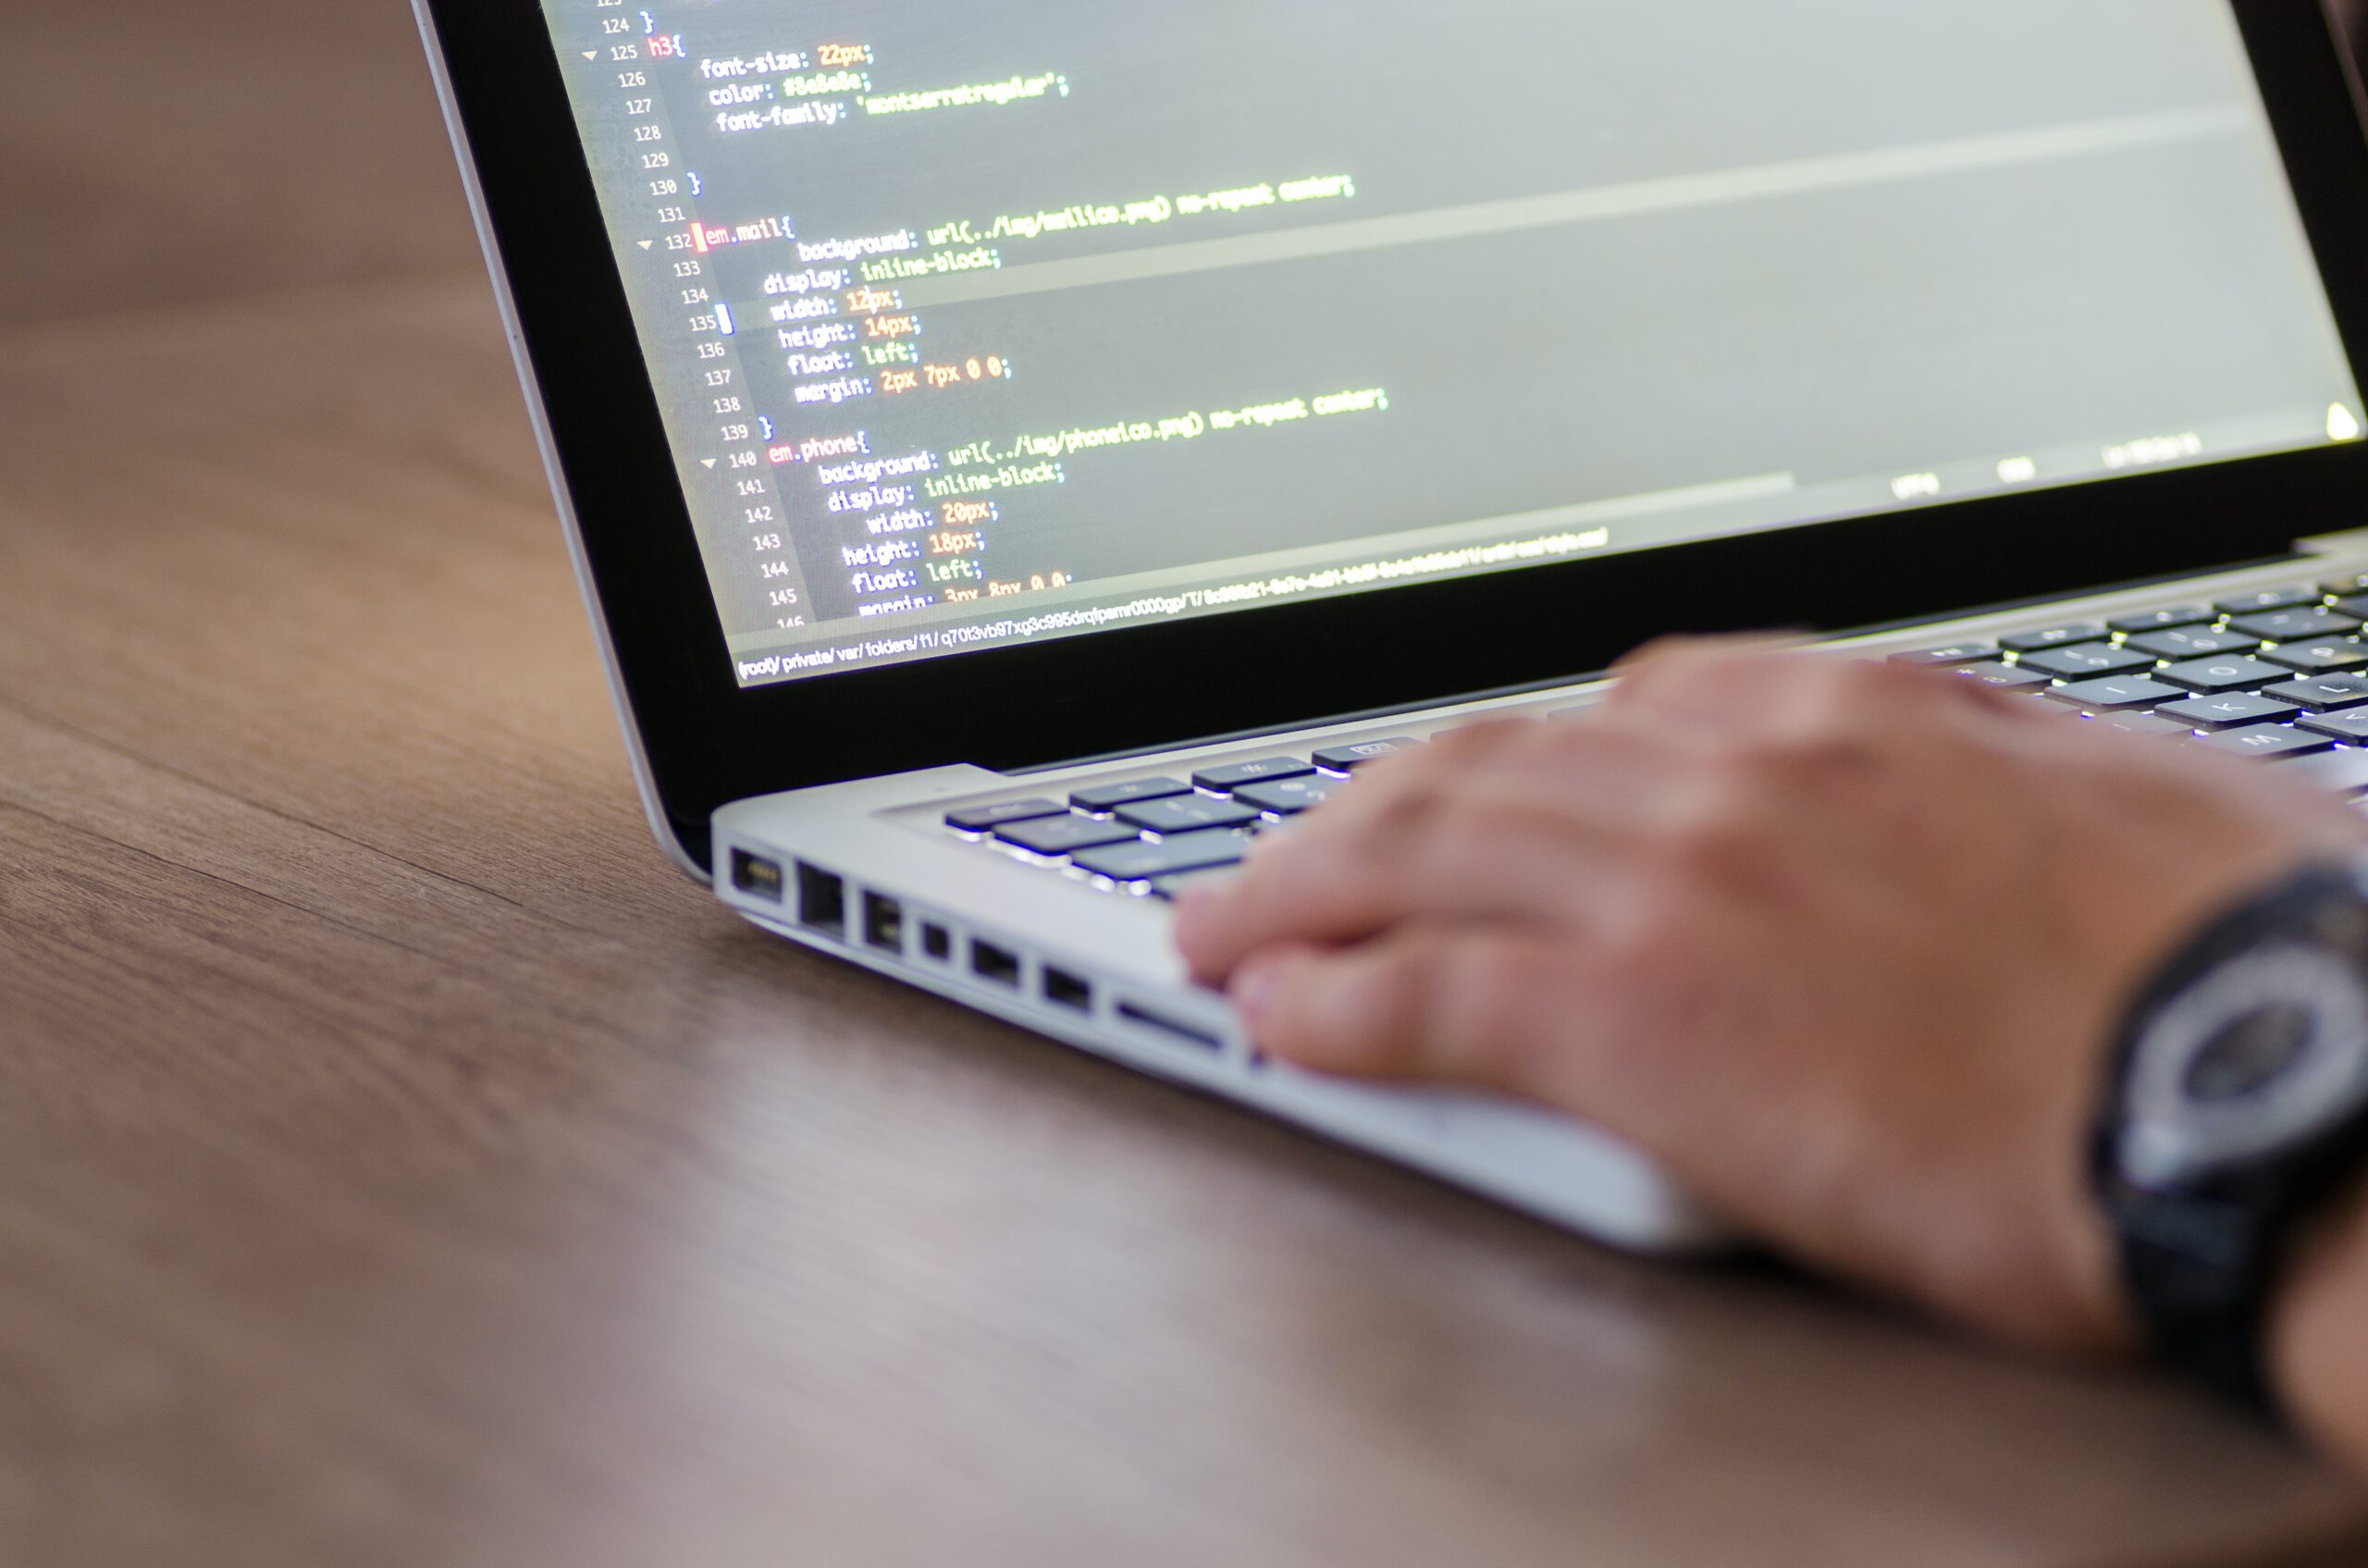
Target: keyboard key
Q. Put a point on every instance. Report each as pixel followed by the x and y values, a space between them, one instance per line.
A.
pixel 2055 636
pixel 2270 600
pixel 1170 856
pixel 2229 712
pixel 1109 798
pixel 2164 620
pixel 1349 758
pixel 2349 725
pixel 2237 673
pixel 2270 741
pixel 2144 724
pixel 1288 798
pixel 2317 658
pixel 2192 642
pixel 2293 626
pixel 2006 677
pixel 1220 780
pixel 2324 693
pixel 1187 813
pixel 2344 771
pixel 2085 660
pixel 1064 835
pixel 986 819
pixel 2354 605
pixel 1972 652
pixel 2341 587
pixel 2116 692
pixel 1172 888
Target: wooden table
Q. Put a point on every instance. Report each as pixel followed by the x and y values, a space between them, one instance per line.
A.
pixel 400 1163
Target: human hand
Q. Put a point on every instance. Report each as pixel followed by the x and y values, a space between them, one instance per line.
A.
pixel 1843 944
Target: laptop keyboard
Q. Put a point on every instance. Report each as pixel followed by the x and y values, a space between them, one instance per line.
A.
pixel 1151 837
pixel 2280 674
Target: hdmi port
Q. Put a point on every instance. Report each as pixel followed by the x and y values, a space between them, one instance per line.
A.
pixel 1185 1032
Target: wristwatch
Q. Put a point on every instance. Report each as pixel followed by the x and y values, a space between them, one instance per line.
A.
pixel 2236 1111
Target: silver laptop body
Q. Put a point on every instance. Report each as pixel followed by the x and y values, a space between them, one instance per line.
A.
pixel 1850 194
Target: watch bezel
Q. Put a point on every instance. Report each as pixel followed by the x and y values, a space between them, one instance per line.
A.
pixel 2170 1138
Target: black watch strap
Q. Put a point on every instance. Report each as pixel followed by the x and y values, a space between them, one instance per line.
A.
pixel 2207 1284
pixel 2204 1277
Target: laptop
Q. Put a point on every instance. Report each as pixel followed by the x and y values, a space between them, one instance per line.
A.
pixel 1017 454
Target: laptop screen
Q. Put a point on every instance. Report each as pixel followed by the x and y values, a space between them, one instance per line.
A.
pixel 1018 320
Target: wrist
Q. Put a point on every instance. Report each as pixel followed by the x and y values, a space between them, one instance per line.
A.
pixel 2314 1348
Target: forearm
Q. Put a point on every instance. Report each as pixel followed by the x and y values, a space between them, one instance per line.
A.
pixel 2319 1345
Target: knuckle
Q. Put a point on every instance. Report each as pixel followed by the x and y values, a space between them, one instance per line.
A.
pixel 1382 808
pixel 1299 870
pixel 1863 677
pixel 1718 831
pixel 1680 650
pixel 1493 987
pixel 1675 664
pixel 1471 742
pixel 1454 819
pixel 1460 996
pixel 1845 683
pixel 1576 740
pixel 1407 994
pixel 1412 810
pixel 1896 686
pixel 1836 697
pixel 1754 768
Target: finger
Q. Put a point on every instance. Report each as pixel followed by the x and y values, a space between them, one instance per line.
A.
pixel 1683 646
pixel 1740 689
pixel 1490 850
pixel 1540 834
pixel 1379 787
pixel 1386 794
pixel 1464 1005
pixel 1706 681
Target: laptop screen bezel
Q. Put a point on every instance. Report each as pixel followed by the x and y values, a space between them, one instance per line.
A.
pixel 709 742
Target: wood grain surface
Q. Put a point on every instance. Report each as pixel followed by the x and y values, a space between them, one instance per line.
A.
pixel 400 1164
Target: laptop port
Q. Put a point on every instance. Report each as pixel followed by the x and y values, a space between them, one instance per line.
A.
pixel 990 962
pixel 1064 990
pixel 884 922
pixel 937 943
pixel 821 900
pixel 756 876
pixel 1167 1026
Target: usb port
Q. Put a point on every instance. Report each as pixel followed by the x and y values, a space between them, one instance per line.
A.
pixel 821 900
pixel 756 876
pixel 990 962
pixel 937 942
pixel 1064 990
pixel 884 922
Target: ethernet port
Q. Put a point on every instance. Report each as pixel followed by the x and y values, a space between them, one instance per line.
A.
pixel 884 922
pixel 821 900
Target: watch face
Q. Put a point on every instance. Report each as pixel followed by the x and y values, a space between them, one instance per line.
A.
pixel 2259 1055
pixel 2250 1052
